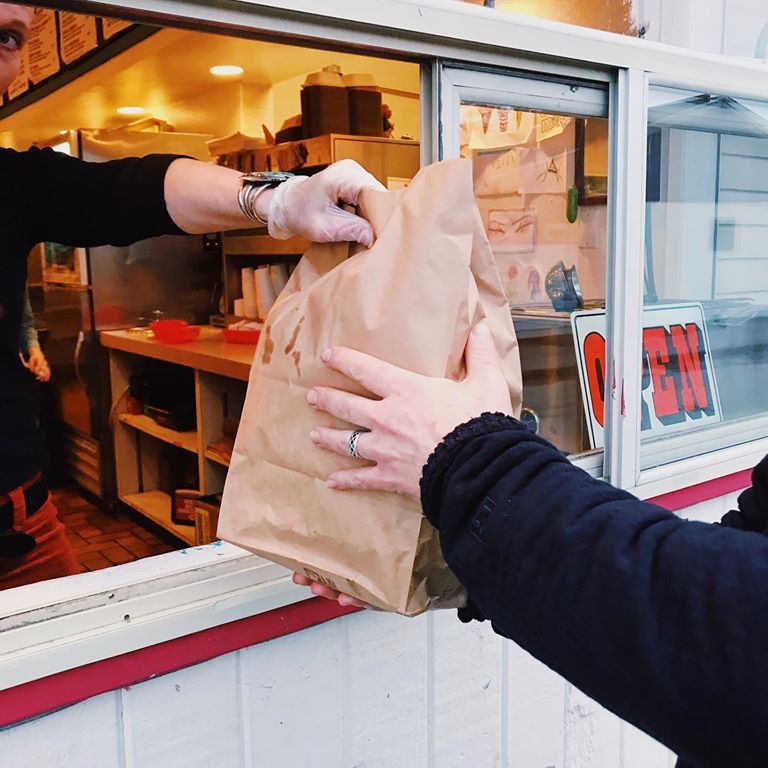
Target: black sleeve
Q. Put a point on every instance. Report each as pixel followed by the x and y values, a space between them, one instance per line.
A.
pixel 70 201
pixel 663 621
pixel 752 512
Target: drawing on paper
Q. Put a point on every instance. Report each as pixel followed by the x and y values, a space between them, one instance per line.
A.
pixel 549 126
pixel 496 171
pixel 494 127
pixel 511 271
pixel 533 284
pixel 512 231
pixel 541 173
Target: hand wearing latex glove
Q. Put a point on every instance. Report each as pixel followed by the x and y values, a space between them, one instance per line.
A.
pixel 412 416
pixel 309 206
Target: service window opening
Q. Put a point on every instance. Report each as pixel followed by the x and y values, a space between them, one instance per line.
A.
pixel 140 439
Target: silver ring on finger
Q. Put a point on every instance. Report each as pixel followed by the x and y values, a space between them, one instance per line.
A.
pixel 352 443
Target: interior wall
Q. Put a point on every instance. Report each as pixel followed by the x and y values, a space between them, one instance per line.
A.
pixel 224 109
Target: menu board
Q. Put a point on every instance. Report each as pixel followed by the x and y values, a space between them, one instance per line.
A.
pixel 110 27
pixel 78 36
pixel 21 83
pixel 57 41
pixel 43 47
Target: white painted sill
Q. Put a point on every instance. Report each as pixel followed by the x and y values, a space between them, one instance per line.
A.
pixel 699 469
pixel 63 624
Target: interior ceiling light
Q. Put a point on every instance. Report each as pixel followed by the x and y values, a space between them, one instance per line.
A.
pixel 131 110
pixel 226 70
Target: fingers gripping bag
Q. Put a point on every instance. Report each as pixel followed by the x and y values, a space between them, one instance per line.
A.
pixel 410 300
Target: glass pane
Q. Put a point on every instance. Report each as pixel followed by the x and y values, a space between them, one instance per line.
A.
pixel 610 15
pixel 731 27
pixel 705 325
pixel 541 186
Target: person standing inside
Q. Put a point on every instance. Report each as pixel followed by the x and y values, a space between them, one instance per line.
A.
pixel 33 357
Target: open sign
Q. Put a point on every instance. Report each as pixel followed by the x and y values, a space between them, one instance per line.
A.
pixel 679 390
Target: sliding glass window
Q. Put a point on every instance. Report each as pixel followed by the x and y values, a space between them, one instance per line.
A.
pixel 705 319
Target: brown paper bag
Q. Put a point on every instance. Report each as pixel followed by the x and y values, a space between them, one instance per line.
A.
pixel 410 300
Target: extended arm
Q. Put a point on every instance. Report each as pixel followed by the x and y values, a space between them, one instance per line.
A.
pixel 662 620
pixel 28 335
pixel 74 202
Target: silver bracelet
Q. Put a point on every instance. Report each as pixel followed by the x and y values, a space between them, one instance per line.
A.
pixel 247 196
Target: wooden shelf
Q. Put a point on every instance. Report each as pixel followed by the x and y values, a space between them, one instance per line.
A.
pixel 264 246
pixel 187 441
pixel 156 505
pixel 209 352
pixel 216 458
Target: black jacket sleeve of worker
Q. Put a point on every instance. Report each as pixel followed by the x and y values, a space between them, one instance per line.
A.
pixel 70 201
pixel 662 620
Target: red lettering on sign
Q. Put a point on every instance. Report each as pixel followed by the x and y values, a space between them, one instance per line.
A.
pixel 594 360
pixel 665 401
pixel 693 388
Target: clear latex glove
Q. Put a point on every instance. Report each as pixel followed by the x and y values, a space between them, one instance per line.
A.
pixel 309 206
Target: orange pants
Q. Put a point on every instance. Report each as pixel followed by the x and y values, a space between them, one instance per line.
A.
pixel 52 556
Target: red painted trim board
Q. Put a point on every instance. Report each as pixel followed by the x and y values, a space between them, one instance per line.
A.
pixel 696 494
pixel 61 690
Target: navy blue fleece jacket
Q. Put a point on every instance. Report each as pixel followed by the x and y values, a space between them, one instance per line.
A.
pixel 662 620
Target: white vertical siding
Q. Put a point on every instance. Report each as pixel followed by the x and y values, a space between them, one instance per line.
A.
pixel 292 703
pixel 88 735
pixel 195 707
pixel 364 691
pixel 537 711
pixel 746 19
pixel 467 684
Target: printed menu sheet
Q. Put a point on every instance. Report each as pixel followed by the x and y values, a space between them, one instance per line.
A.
pixel 111 27
pixel 78 36
pixel 43 47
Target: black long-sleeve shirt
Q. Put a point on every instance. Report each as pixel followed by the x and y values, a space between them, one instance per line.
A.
pixel 47 196
pixel 663 621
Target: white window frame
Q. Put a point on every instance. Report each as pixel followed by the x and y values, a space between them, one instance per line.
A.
pixel 58 625
pixel 720 460
pixel 541 88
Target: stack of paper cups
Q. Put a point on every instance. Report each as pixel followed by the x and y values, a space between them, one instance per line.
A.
pixel 265 293
pixel 250 306
pixel 279 275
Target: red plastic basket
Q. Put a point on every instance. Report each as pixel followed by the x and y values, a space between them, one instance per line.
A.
pixel 174 331
pixel 241 335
